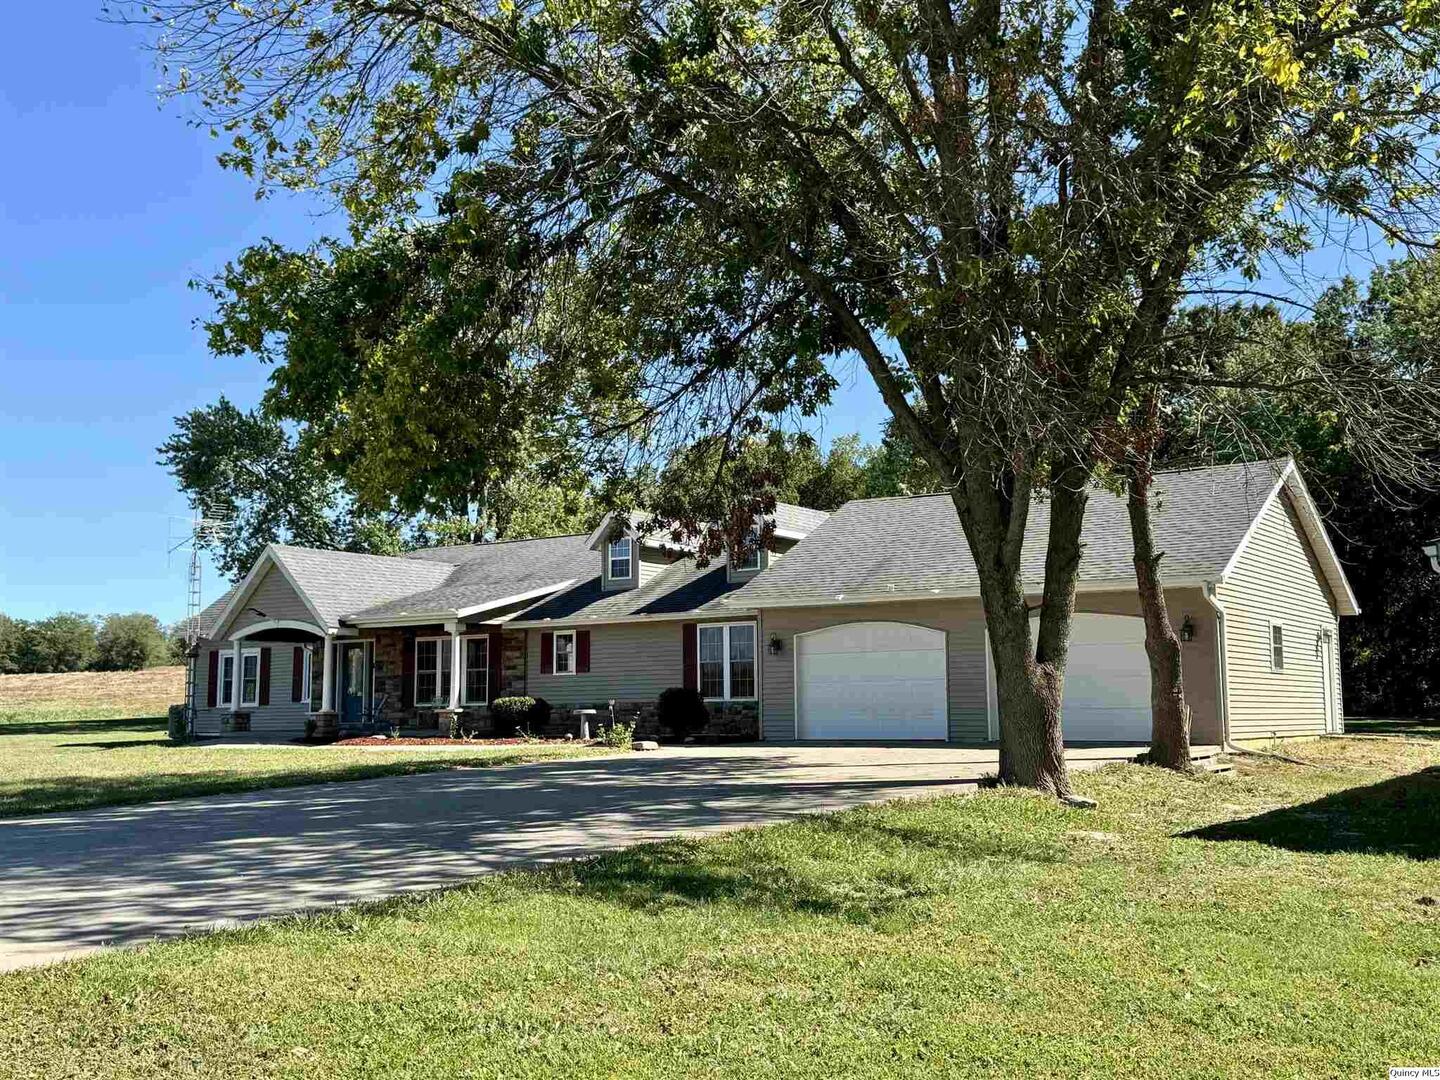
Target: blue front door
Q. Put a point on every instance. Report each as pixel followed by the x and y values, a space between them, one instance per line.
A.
pixel 352 685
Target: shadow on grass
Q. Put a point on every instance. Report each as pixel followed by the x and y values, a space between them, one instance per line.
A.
pixel 1388 725
pixel 852 867
pixel 1393 817
pixel 117 744
pixel 81 727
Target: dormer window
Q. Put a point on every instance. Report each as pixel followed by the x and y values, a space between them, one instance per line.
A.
pixel 619 554
pixel 740 564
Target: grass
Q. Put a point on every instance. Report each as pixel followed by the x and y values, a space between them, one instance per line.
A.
pixel 1275 922
pixel 1426 728
pixel 74 741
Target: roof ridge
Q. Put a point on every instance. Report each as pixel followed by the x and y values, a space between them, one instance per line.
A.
pixel 417 552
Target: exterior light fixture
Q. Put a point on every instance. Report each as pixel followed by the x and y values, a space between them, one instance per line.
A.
pixel 775 646
pixel 1432 552
pixel 1187 629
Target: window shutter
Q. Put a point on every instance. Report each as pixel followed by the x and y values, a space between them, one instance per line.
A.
pixel 212 686
pixel 297 673
pixel 265 675
pixel 497 666
pixel 690 655
pixel 547 653
pixel 407 671
pixel 582 651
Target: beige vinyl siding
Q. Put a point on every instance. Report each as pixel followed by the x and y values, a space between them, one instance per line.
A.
pixel 1199 657
pixel 651 563
pixel 280 717
pixel 1277 579
pixel 274 596
pixel 628 662
pixel 964 628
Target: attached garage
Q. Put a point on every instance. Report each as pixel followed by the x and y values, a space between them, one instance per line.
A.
pixel 1107 680
pixel 871 680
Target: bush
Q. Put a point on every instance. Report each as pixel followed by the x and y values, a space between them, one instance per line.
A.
pixel 539 718
pixel 618 735
pixel 512 714
pixel 682 711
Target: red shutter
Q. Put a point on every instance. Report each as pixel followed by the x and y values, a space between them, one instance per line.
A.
pixel 690 655
pixel 297 674
pixel 407 671
pixel 582 650
pixel 496 650
pixel 212 685
pixel 265 675
pixel 547 653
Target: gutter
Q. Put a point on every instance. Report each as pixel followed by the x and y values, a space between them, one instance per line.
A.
pixel 1221 648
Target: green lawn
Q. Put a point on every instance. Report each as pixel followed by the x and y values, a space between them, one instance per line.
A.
pixel 1276 922
pixel 1385 725
pixel 90 739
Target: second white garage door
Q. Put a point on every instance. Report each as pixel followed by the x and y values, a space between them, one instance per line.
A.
pixel 871 680
pixel 1107 680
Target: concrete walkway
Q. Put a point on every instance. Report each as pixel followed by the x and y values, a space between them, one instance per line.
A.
pixel 74 882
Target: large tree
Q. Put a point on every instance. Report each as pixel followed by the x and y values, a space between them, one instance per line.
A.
pixel 699 203
pixel 129 643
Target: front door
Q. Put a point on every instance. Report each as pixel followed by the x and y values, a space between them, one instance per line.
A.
pixel 352 685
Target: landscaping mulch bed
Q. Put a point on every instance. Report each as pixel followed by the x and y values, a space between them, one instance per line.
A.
pixel 386 740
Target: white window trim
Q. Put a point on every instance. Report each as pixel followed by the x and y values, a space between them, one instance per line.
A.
pixel 307 672
pixel 726 646
pixel 244 702
pixel 465 640
pixel 1270 645
pixel 441 699
pixel 225 696
pixel 555 652
pixel 629 557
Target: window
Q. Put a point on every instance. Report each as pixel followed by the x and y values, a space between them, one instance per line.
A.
pixel 477 670
pixel 620 561
pixel 751 559
pixel 1277 646
pixel 432 671
pixel 727 660
pixel 250 677
pixel 227 680
pixel 565 652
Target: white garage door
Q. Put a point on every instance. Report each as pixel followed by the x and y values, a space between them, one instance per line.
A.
pixel 871 680
pixel 1107 680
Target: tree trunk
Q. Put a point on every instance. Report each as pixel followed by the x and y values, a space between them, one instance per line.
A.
pixel 1030 672
pixel 1169 715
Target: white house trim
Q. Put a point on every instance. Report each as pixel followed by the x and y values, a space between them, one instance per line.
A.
pixel 440 615
pixel 242 594
pixel 277 624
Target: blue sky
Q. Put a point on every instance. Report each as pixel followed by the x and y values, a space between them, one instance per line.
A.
pixel 109 205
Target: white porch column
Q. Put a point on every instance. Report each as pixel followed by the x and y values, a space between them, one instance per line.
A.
pixel 237 681
pixel 455 643
pixel 327 677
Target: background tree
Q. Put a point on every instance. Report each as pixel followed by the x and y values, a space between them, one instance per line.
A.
pixel 129 643
pixel 12 639
pixel 63 642
pixel 670 216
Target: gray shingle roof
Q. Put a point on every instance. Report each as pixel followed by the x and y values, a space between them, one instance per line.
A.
pixel 790 518
pixel 206 619
pixel 912 546
pixel 478 574
pixel 679 589
pixel 340 582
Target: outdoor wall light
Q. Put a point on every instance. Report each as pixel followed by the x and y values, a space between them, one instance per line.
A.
pixel 1187 630
pixel 775 646
pixel 1432 552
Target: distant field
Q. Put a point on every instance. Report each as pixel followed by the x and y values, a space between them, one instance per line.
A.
pixel 90 695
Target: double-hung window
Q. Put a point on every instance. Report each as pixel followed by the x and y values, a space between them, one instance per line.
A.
pixel 250 678
pixel 1277 646
pixel 565 652
pixel 751 559
pixel 432 671
pixel 727 660
pixel 227 679
pixel 620 555
pixel 476 688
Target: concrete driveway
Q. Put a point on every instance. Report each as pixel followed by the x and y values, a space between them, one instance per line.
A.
pixel 71 883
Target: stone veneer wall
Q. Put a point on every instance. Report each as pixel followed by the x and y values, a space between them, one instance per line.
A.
pixel 388 652
pixel 729 720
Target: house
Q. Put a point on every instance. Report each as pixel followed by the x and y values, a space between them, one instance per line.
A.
pixel 863 624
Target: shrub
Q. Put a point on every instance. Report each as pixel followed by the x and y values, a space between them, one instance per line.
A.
pixel 618 735
pixel 682 711
pixel 539 717
pixel 511 714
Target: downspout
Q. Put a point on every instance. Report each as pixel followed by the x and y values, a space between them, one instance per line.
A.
pixel 1220 649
